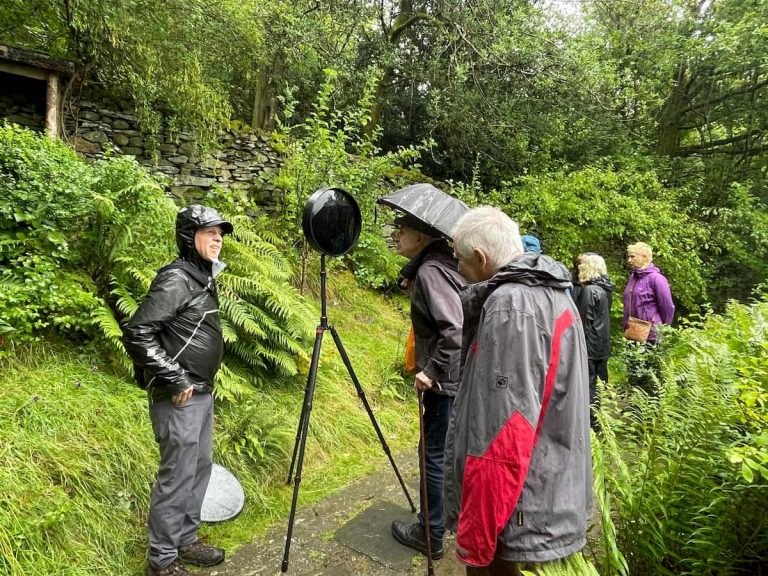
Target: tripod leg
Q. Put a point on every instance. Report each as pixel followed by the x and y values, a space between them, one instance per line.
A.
pixel 301 440
pixel 310 380
pixel 364 400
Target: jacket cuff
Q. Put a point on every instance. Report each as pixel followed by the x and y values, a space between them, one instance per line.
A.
pixel 434 372
pixel 183 384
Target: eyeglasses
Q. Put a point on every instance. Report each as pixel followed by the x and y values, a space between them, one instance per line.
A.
pixel 212 232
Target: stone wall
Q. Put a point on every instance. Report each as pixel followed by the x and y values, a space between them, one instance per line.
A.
pixel 17 109
pixel 243 161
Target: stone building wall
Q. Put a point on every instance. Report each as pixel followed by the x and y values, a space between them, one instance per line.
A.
pixel 17 109
pixel 243 161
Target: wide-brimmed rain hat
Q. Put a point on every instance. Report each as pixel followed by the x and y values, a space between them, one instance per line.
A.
pixel 425 208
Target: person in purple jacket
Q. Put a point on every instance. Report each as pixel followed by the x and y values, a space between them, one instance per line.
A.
pixel 647 295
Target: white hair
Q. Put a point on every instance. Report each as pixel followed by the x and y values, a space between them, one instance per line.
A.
pixel 591 266
pixel 492 232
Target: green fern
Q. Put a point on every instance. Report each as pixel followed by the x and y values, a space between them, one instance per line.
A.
pixel 673 503
pixel 573 565
pixel 104 319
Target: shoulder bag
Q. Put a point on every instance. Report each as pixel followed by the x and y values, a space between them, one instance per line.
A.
pixel 637 330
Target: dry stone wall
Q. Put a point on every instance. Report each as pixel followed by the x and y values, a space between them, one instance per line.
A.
pixel 242 162
pixel 17 109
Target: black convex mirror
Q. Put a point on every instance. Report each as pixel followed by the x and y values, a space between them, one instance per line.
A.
pixel 332 221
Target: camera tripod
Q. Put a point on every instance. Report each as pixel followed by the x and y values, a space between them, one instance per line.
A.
pixel 306 410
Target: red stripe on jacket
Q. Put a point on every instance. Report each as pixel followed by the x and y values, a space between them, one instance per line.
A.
pixel 493 482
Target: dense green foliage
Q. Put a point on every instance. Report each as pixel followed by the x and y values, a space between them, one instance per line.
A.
pixel 502 91
pixel 81 244
pixel 603 210
pixel 681 476
pixel 47 201
pixel 331 149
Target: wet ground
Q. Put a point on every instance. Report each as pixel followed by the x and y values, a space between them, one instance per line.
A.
pixel 346 534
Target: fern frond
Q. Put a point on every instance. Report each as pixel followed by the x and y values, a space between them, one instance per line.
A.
pixel 240 315
pixel 105 321
pixel 126 303
pixel 230 386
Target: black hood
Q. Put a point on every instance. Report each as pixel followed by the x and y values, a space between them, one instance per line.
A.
pixel 604 282
pixel 188 220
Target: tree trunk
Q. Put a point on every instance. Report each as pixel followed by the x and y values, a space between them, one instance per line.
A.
pixel 265 97
pixel 405 19
pixel 671 120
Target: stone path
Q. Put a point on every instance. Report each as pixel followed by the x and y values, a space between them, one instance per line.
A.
pixel 346 534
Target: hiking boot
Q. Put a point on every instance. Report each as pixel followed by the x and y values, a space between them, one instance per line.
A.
pixel 413 537
pixel 201 554
pixel 175 568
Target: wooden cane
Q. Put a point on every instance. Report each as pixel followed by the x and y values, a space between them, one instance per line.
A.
pixel 425 497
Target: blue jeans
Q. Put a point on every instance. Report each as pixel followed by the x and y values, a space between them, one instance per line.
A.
pixel 437 412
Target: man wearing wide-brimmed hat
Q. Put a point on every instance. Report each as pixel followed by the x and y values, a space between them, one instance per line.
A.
pixel 175 342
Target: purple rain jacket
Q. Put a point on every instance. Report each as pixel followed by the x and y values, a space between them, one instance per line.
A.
pixel 651 300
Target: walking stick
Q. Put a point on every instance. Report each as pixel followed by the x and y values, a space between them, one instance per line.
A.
pixel 425 496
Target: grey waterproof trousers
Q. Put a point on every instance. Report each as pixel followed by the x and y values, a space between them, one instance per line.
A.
pixel 185 437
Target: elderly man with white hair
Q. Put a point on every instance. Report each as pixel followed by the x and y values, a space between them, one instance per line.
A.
pixel 518 472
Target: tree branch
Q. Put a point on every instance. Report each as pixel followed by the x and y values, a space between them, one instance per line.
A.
pixel 744 90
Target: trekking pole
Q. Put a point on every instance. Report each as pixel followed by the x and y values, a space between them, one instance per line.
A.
pixel 425 495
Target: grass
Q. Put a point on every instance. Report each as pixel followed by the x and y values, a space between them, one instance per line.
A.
pixel 79 458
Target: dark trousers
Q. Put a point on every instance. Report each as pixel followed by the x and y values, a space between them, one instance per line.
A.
pixel 185 437
pixel 597 369
pixel 437 412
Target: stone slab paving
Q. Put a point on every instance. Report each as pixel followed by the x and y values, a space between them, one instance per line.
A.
pixel 345 534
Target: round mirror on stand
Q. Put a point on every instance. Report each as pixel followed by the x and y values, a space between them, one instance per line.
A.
pixel 332 221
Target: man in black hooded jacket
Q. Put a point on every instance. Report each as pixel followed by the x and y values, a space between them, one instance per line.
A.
pixel 175 342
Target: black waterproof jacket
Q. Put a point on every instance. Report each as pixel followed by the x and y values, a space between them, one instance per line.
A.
pixel 175 337
pixel 436 314
pixel 594 304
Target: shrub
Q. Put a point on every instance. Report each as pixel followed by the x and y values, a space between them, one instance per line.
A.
pixel 604 210
pixel 46 205
pixel 80 245
pixel 684 473
pixel 333 148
